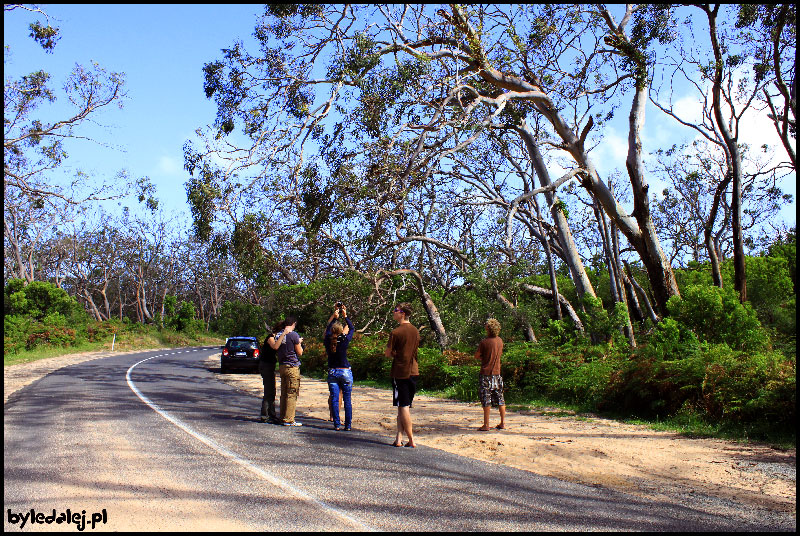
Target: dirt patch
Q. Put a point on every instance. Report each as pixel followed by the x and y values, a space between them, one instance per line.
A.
pixel 593 451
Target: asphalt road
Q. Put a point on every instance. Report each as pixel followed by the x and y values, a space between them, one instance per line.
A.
pixel 152 441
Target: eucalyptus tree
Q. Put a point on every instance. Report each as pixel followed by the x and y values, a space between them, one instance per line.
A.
pixel 770 36
pixel 93 263
pixel 695 210
pixel 389 93
pixel 144 243
pixel 35 199
pixel 732 71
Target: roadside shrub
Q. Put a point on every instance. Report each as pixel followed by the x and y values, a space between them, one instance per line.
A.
pixel 181 317
pixel 40 314
pixel 461 380
pixel 366 357
pixel 38 299
pixel 671 340
pixel 586 382
pixel 769 285
pixel 434 370
pixel 314 358
pixel 560 331
pixel 15 333
pixel 715 315
pixel 786 318
pixel 101 331
pixel 599 323
pixel 720 383
pixel 748 387
pixel 42 334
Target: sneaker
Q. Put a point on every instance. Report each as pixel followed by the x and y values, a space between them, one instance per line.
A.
pixel 293 423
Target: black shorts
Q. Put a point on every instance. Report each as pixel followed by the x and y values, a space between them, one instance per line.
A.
pixel 403 391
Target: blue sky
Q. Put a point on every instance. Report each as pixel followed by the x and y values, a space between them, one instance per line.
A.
pixel 162 49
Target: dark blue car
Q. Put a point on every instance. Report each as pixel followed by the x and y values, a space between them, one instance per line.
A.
pixel 239 353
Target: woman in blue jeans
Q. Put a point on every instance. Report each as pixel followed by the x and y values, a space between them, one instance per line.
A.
pixel 340 375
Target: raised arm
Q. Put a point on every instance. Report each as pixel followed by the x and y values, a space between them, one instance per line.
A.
pixel 349 330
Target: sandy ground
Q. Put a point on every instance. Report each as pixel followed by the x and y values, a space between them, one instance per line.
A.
pixel 587 450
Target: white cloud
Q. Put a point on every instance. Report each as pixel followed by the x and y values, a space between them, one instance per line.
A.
pixel 689 108
pixel 168 165
pixel 611 152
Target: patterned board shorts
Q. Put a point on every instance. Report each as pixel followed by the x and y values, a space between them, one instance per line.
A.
pixel 490 390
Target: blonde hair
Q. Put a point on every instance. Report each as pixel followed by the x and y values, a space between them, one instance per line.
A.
pixel 336 330
pixel 493 326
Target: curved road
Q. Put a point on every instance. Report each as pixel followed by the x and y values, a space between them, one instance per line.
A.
pixel 151 441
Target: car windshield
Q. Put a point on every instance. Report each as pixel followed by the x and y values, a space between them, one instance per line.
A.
pixel 241 345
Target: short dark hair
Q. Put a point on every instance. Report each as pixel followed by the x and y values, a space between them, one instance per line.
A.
pixel 405 308
pixel 289 320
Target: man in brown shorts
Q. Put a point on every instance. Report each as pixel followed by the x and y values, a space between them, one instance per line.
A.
pixel 402 348
pixel 490 383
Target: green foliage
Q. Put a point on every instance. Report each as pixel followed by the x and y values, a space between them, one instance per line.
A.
pixel 40 314
pixel 46 36
pixel 672 340
pixel 786 321
pixel 768 285
pixel 237 318
pixel 714 381
pixel 559 331
pixel 202 192
pixel 367 359
pixel 15 333
pixel 181 318
pixel 744 386
pixel 39 299
pixel 786 248
pixel 715 315
pixel 597 320
pixel 312 303
pixel 357 60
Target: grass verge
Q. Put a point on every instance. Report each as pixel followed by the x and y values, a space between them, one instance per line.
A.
pixel 125 341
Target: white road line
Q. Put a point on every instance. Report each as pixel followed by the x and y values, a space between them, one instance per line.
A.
pixel 269 477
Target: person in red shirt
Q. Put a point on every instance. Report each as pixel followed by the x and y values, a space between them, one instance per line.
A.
pixel 490 382
pixel 402 348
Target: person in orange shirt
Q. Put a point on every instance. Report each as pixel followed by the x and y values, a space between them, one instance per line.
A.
pixel 490 382
pixel 402 348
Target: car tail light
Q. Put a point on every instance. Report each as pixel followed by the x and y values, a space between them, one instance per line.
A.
pixel 255 352
pixel 224 351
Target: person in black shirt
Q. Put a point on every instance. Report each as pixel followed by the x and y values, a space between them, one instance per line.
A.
pixel 340 375
pixel 267 359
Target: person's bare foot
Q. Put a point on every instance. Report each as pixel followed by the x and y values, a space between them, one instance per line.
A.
pixel 410 444
pixel 397 444
pixel 501 426
pixel 483 428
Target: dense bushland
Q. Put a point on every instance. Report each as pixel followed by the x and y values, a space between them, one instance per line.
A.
pixel 40 317
pixel 711 359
